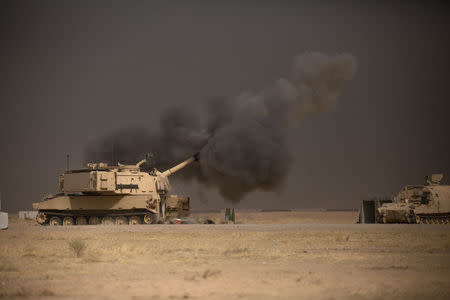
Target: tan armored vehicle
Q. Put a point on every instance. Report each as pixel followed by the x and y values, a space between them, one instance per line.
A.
pixel 428 203
pixel 119 194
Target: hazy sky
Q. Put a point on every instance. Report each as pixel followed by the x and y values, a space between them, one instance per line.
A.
pixel 72 72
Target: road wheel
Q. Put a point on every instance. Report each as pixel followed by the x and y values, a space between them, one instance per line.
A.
pixel 107 221
pixel 135 220
pixel 68 221
pixel 41 218
pixel 419 220
pixel 384 219
pixel 54 221
pixel 149 218
pixel 121 220
pixel 94 221
pixel 80 221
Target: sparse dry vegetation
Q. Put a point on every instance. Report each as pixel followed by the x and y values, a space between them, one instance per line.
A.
pixel 221 261
pixel 47 293
pixel 77 246
pixel 210 273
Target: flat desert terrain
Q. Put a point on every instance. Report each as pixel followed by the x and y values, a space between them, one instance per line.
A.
pixel 267 255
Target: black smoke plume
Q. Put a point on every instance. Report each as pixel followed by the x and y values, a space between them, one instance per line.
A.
pixel 241 140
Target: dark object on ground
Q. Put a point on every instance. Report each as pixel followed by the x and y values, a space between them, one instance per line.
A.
pixel 230 216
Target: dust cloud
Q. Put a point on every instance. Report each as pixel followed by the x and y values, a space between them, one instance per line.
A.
pixel 241 140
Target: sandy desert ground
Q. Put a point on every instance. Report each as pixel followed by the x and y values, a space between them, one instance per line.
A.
pixel 269 255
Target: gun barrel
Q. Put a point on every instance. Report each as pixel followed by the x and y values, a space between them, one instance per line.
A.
pixel 180 166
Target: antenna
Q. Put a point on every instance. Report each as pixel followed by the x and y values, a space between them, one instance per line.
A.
pixel 67 162
pixel 149 157
pixel 112 153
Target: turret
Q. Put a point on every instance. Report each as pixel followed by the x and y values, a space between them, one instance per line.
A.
pixel 99 178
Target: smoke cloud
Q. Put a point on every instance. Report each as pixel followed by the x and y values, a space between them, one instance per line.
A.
pixel 241 140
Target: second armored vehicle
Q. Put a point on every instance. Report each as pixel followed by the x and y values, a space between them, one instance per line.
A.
pixel 119 194
pixel 428 203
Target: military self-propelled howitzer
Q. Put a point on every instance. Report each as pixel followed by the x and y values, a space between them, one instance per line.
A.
pixel 428 203
pixel 122 194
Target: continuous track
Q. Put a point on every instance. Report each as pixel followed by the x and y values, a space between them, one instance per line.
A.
pixel 70 218
pixel 433 219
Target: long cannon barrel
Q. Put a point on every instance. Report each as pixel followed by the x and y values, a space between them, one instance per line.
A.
pixel 180 166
